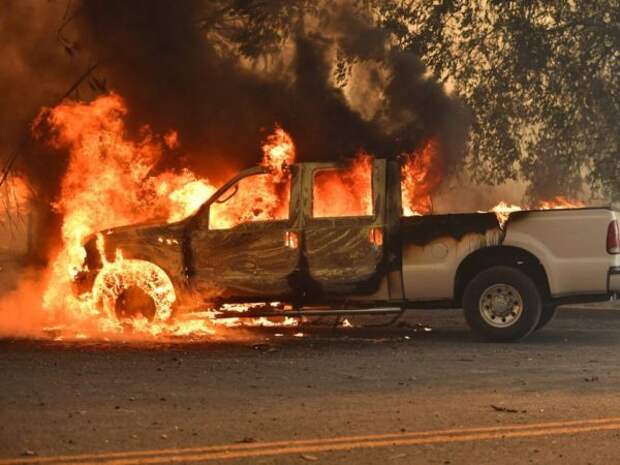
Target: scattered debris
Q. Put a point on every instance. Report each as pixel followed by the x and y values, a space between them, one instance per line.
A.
pixel 309 458
pixel 264 347
pixel 345 324
pixel 418 327
pixel 591 379
pixel 506 409
pixel 29 453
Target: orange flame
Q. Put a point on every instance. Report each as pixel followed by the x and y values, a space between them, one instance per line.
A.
pixel 186 193
pixel 421 174
pixel 278 153
pixel 560 202
pixel 256 198
pixel 344 192
pixel 503 209
pixel 261 197
pixel 171 139
pixel 109 182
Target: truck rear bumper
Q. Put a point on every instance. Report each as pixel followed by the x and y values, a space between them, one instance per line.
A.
pixel 613 280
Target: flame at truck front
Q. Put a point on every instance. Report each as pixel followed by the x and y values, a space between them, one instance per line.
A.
pixel 109 182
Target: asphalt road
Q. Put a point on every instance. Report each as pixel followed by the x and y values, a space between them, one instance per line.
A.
pixel 399 395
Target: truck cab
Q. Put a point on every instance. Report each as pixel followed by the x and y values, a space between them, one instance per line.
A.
pixel 328 243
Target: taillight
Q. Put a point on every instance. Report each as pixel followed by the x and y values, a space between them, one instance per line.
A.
pixel 291 239
pixel 613 238
pixel 375 236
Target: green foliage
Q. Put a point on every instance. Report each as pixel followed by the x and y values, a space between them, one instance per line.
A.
pixel 541 77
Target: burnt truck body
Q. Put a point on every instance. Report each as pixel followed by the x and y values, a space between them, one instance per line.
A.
pixel 509 278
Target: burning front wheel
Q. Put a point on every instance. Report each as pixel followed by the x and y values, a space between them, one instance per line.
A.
pixel 134 302
pixel 502 304
pixel 128 289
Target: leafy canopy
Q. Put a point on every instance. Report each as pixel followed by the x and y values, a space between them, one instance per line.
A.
pixel 540 77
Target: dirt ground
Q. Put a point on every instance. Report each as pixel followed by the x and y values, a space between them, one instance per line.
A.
pixel 358 395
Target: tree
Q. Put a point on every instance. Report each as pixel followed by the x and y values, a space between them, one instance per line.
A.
pixel 541 78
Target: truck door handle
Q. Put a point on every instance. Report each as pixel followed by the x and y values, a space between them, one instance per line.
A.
pixel 291 239
pixel 375 236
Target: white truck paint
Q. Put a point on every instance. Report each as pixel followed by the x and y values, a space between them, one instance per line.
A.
pixel 571 246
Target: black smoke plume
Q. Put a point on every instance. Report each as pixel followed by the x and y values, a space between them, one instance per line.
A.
pixel 161 57
pixel 158 58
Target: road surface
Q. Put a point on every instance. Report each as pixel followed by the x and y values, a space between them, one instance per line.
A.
pixel 400 395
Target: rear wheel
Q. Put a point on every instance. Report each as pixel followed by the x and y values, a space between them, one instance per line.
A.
pixel 547 314
pixel 502 304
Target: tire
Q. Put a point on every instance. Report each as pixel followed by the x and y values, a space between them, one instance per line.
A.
pixel 130 288
pixel 502 304
pixel 547 314
pixel 134 302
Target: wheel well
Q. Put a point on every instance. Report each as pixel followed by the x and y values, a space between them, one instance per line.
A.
pixel 500 255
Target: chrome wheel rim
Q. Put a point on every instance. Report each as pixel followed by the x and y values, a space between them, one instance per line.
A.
pixel 501 305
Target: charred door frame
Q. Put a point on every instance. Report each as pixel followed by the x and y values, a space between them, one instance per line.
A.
pixel 393 235
pixel 200 220
pixel 377 220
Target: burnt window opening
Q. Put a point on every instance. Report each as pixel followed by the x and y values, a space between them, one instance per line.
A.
pixel 343 192
pixel 255 198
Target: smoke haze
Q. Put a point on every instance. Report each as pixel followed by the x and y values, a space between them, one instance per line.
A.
pixel 174 65
pixel 158 57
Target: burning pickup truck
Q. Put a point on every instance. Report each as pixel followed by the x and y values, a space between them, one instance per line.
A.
pixel 320 257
